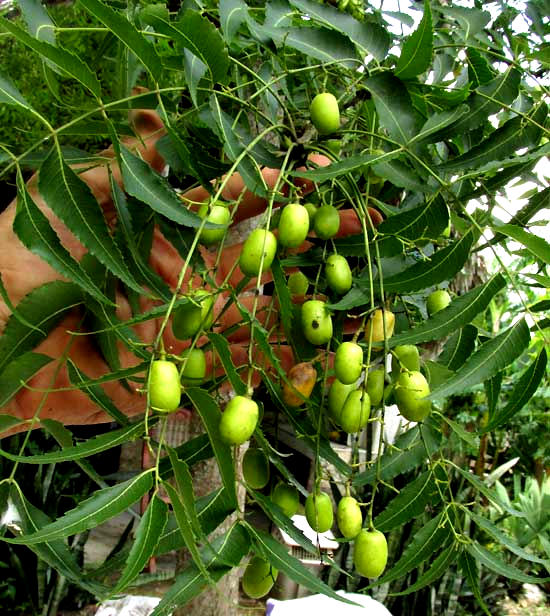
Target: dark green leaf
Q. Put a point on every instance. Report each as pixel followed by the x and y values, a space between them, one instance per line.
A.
pixel 472 20
pixel 10 95
pixel 425 221
pixel 223 351
pixel 469 438
pixel 492 391
pixel 436 373
pixel 285 302
pixel 195 450
pixel 18 372
pixel 233 13
pixel 184 484
pixel 7 422
pixel 459 347
pixel 489 359
pixel 437 122
pixel 400 174
pixel 468 565
pixel 494 562
pixel 416 50
pixel 439 566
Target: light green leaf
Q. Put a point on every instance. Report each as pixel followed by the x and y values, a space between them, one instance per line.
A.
pixel 101 506
pixel 342 167
pixel 469 438
pixel 38 21
pixel 459 346
pixel 417 49
pixel 233 13
pixel 7 422
pixel 536 245
pixel 10 95
pixel 184 483
pixel 439 566
pixel 489 359
pixel 472 20
pixel 494 562
pixel 18 372
pixel 195 69
pixel 468 565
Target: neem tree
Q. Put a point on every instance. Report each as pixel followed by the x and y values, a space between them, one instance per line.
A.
pixel 424 131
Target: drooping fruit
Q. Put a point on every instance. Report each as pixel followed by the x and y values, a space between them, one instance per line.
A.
pixel 287 497
pixel 255 468
pixel 348 362
pixel 312 210
pixel 407 356
pixel 409 391
pixel 349 517
pixel 337 396
pixel 219 215
pixel 338 274
pixel 259 244
pixel 326 222
pixel 316 322
pixel 375 386
pixel 238 420
pixel 258 578
pixel 301 379
pixel 293 225
pixel 437 300
pixel 370 553
pixel 325 113
pixel 380 321
pixel 355 412
pixel 319 514
pixel 298 283
pixel 194 370
pixel 188 319
pixel 164 386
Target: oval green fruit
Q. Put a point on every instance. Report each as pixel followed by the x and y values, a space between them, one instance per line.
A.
pixel 293 225
pixel 326 222
pixel 438 300
pixel 258 578
pixel 316 322
pixel 409 391
pixel 407 357
pixel 325 113
pixel 379 322
pixel 238 420
pixel 255 468
pixel 164 386
pixel 370 554
pixel 349 517
pixel 319 512
pixel 334 145
pixel 348 362
pixel 219 215
pixel 375 386
pixel 337 396
pixel 194 369
pixel 286 497
pixel 298 283
pixel 355 412
pixel 188 319
pixel 312 210
pixel 260 244
pixel 338 274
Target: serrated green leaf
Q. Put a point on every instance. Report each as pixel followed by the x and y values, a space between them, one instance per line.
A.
pixel 184 484
pixel 495 563
pixel 409 503
pixel 229 548
pixel 278 556
pixel 479 70
pixel 223 351
pixel 127 33
pixel 286 315
pixel 468 565
pixel 233 13
pixel 10 95
pixel 443 265
pixel 342 167
pixel 43 307
pixel 524 389
pixel 460 346
pixel 472 20
pixel 536 245
pixel 425 221
pixel 436 373
pixel 210 414
pixel 400 174
pixel 439 566
pixel 464 435
pixel 18 372
pixel 7 422
pixel 489 359
pixel 101 506
pixel 437 122
pixel 417 49
pixel 145 540
pixel 492 391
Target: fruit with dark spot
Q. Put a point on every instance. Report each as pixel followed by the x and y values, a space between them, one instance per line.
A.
pixel 316 322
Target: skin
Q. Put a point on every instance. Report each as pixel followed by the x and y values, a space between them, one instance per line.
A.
pixel 23 271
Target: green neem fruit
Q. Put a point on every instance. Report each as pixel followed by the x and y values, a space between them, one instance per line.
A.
pixel 312 210
pixel 316 322
pixel 255 468
pixel 258 578
pixel 189 319
pixel 334 145
pixel 219 215
pixel 355 412
pixel 293 225
pixel 325 114
pixel 319 513
pixel 409 391
pixel 338 274
pixel 298 283
pixel 239 420
pixel 370 553
pixel 326 222
pixel 260 243
pixel 337 396
pixel 408 356
pixel 349 517
pixel 287 497
pixel 194 370
pixel 437 301
pixel 379 322
pixel 164 386
pixel 375 386
pixel 348 362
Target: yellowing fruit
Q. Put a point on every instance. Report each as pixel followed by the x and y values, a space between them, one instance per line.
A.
pixel 301 378
pixel 378 323
pixel 164 386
